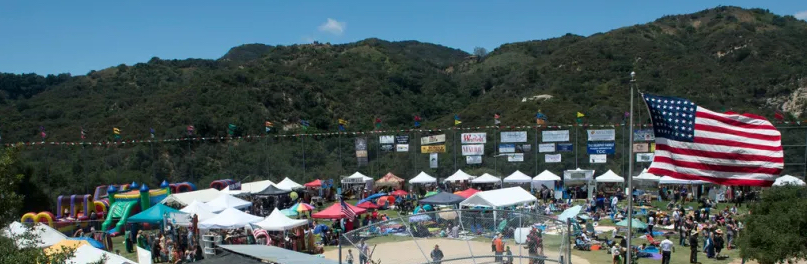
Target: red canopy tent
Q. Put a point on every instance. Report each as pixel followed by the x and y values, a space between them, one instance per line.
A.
pixel 467 193
pixel 389 180
pixel 315 183
pixel 367 205
pixel 398 193
pixel 335 212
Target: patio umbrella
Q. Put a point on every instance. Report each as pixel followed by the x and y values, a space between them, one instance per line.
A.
pixel 570 213
pixel 301 207
pixel 635 224
pixel 398 193
pixel 431 193
pixel 374 196
pixel 289 212
pixel 367 205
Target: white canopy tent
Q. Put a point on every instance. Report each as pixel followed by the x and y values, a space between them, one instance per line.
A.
pixel 287 184
pixel 459 176
pixel 250 187
pixel 646 176
pixel 228 201
pixel 202 210
pixel 187 198
pixel 277 221
pixel 487 178
pixel 518 177
pixel 788 180
pixel 46 235
pixel 671 180
pixel 545 178
pixel 229 218
pixel 356 178
pixel 422 178
pixel 90 254
pixel 578 175
pixel 610 176
pixel 499 198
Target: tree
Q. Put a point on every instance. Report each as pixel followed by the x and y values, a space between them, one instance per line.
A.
pixel 774 231
pixel 480 52
pixel 22 248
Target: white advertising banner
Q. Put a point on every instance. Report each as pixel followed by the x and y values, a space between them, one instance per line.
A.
pixel 473 160
pixel 515 157
pixel 433 139
pixel 386 139
pixel 555 136
pixel 473 150
pixel 597 158
pixel 644 157
pixel 546 147
pixel 402 148
pixel 601 135
pixel 514 137
pixel 552 158
pixel 474 138
pixel 433 160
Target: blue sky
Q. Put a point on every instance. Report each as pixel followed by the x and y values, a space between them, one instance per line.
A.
pixel 49 37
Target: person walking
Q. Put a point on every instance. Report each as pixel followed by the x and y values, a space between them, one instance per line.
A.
pixel 364 252
pixel 693 247
pixel 349 257
pixel 651 221
pixel 498 245
pixel 437 255
pixel 667 248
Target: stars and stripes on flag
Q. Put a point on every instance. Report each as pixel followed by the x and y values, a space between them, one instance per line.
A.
pixel 695 143
pixel 349 213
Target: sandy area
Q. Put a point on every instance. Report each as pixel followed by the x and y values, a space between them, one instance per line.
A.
pixel 407 252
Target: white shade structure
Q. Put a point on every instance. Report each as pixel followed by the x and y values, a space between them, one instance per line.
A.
pixel 578 175
pixel 459 176
pixel 250 187
pixel 356 177
pixel 46 236
pixel 288 184
pixel 499 198
pixel 487 178
pixel 90 254
pixel 674 181
pixel 546 175
pixel 646 176
pixel 518 177
pixel 788 180
pixel 202 210
pixel 277 221
pixel 187 198
pixel 609 176
pixel 229 218
pixel 422 178
pixel 228 201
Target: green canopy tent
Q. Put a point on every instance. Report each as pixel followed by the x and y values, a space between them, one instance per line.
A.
pixel 153 215
pixel 635 224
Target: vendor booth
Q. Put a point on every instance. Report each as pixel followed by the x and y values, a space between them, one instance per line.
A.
pixel 390 180
pixel 288 184
pixel 442 198
pixel 459 176
pixel 422 178
pixel 249 188
pixel 230 218
pixel 201 210
pixel 487 179
pixel 225 201
pixel 186 198
pixel 518 177
pixel 335 211
pixel 550 180
pixel 609 183
pixel 500 198
pixel 356 184
pixel 579 178
pixel 276 221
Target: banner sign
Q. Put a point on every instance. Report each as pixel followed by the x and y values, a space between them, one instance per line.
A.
pixel 433 160
pixel 644 135
pixel 507 148
pixel 401 139
pixel 387 147
pixel 361 144
pixel 434 139
pixel 597 158
pixel 653 147
pixel 601 148
pixel 474 138
pixel 386 139
pixel 361 154
pixel 552 158
pixel 601 135
pixel 524 148
pixel 402 148
pixel 433 149
pixel 565 147
pixel 514 137
pixel 546 147
pixel 473 150
pixel 515 157
pixel 473 160
pixel 641 147
pixel 555 136
pixel 644 157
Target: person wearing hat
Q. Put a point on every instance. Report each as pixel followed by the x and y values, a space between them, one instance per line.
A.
pixel 693 247
pixel 718 242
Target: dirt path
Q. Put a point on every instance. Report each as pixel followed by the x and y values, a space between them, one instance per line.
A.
pixel 408 252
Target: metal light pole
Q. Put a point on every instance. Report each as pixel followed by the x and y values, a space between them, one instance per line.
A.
pixel 630 169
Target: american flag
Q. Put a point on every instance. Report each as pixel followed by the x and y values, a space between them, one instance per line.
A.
pixel 695 143
pixel 349 213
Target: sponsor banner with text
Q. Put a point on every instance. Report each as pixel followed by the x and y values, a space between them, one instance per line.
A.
pixel 433 149
pixel 546 147
pixel 515 157
pixel 473 150
pixel 514 137
pixel 507 148
pixel 601 148
pixel 386 139
pixel 402 148
pixel 473 160
pixel 601 135
pixel 644 157
pixel 565 147
pixel 433 139
pixel 597 158
pixel 474 138
pixel 552 158
pixel 555 136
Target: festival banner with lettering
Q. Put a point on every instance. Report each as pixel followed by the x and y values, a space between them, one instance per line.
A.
pixel 601 135
pixel 474 138
pixel 514 136
pixel 473 150
pixel 546 147
pixel 555 136
pixel 433 139
pixel 433 149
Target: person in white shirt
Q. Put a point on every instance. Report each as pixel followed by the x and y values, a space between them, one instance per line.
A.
pixel 547 210
pixel 667 248
pixel 651 221
pixel 614 201
pixel 676 220
pixel 585 237
pixel 616 252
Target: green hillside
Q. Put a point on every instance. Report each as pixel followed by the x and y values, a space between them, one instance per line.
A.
pixel 723 58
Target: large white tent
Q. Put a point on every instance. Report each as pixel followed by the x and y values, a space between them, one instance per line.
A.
pixel 578 175
pixel 202 210
pixel 646 176
pixel 610 176
pixel 422 178
pixel 250 187
pixel 788 180
pixel 229 218
pixel 459 176
pixel 499 198
pixel 487 178
pixel 90 254
pixel 546 175
pixel 518 177
pixel 228 201
pixel 671 180
pixel 287 184
pixel 357 177
pixel 277 221
pixel 187 198
pixel 46 235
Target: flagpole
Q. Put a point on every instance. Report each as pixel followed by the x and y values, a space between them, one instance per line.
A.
pixel 630 169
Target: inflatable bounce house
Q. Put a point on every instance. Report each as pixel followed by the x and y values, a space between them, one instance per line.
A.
pixel 73 209
pixel 221 184
pixel 127 203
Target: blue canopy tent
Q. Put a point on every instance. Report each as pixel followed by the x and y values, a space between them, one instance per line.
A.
pixel 442 198
pixel 153 215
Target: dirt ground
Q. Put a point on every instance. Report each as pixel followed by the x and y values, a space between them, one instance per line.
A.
pixel 408 252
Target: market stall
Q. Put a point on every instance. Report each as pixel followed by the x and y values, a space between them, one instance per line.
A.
pixel 500 198
pixel 580 180
pixel 186 198
pixel 230 218
pixel 487 179
pixel 201 210
pixel 442 198
pixel 288 184
pixel 390 180
pixel 276 221
pixel 249 188
pixel 518 178
pixel 335 212
pixel 422 178
pixel 459 176
pixel 228 201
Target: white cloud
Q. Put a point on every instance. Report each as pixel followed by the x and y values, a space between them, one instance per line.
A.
pixel 801 15
pixel 333 26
